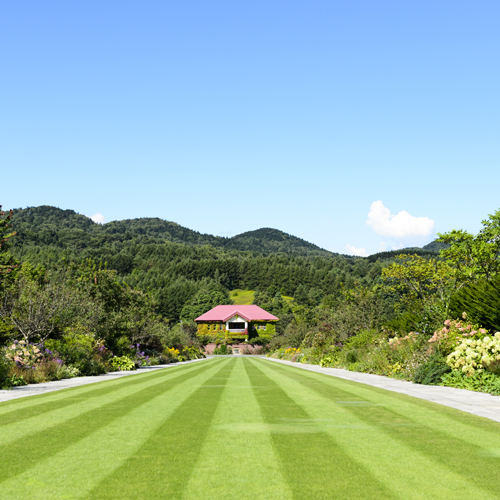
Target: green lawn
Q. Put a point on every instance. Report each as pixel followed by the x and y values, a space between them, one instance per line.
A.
pixel 242 297
pixel 242 428
pixel 245 297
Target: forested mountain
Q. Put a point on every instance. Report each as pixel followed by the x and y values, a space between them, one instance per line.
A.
pixel 51 225
pixel 176 263
pixel 435 246
pixel 267 240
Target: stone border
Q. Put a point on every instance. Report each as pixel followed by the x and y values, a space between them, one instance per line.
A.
pixel 477 403
pixel 57 385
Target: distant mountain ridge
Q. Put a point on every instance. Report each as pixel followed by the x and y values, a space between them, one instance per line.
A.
pixel 46 224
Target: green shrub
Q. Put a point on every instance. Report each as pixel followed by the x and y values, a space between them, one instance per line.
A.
pixel 122 363
pixel 479 381
pixel 431 372
pixel 80 349
pixel 406 322
pixel 4 369
pixel 193 352
pixel 363 339
pixel 351 355
pixel 14 381
pixel 223 349
pixel 327 361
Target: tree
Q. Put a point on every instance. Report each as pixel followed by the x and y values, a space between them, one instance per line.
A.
pixel 420 283
pixel 7 262
pixel 37 310
pixel 474 257
pixel 205 300
pixel 301 296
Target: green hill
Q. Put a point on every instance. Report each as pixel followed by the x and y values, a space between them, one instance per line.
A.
pixel 54 226
pixel 267 240
pixel 435 246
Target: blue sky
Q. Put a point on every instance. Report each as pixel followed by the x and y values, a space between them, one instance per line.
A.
pixel 310 117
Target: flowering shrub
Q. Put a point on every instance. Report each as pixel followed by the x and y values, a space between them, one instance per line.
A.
pixel 172 353
pixel 140 358
pixel 32 364
pixel 397 342
pixel 289 353
pixel 23 354
pixel 476 355
pixel 453 333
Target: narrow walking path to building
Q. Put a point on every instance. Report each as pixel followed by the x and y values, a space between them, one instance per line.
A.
pixel 57 385
pixel 477 403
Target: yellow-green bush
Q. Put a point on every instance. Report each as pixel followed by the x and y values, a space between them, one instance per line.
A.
pixel 476 355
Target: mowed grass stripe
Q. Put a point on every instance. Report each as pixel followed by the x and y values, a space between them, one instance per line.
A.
pixel 78 469
pixel 66 397
pixel 447 448
pixel 471 428
pixel 19 456
pixel 16 431
pixel 162 467
pixel 409 474
pixel 316 466
pixel 238 459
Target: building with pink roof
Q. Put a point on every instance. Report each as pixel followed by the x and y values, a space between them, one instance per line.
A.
pixel 236 322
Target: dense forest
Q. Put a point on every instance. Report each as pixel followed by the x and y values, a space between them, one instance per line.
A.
pixel 176 263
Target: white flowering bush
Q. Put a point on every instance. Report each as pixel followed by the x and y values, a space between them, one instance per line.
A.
pixel 476 355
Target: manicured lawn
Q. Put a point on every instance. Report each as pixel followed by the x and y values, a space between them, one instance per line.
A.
pixel 242 428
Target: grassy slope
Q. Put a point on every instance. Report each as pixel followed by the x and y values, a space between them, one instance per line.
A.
pixel 242 428
pixel 244 297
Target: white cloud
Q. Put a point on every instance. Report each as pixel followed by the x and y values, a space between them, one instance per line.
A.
pixel 402 225
pixel 359 252
pixel 383 246
pixel 99 218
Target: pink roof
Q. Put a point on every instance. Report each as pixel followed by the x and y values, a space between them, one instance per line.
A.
pixel 250 313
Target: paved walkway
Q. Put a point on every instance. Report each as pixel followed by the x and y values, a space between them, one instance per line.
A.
pixel 57 385
pixel 477 403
